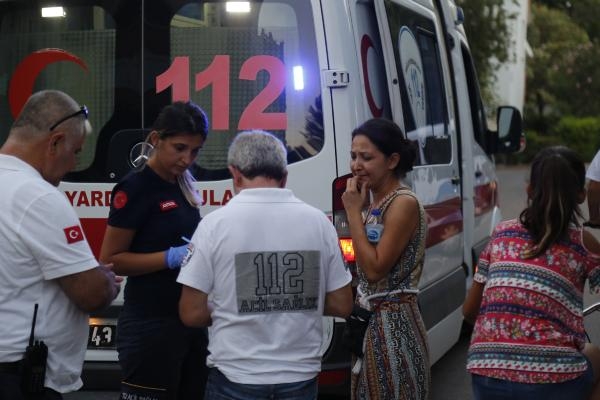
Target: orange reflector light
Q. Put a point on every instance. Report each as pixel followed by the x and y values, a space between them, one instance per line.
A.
pixel 347 249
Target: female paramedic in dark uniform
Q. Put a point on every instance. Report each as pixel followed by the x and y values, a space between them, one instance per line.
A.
pixel 153 209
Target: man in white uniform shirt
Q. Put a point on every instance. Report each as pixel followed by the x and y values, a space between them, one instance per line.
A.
pixel 263 271
pixel 45 259
pixel 593 192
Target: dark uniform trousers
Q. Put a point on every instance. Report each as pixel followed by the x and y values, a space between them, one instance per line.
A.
pixel 10 385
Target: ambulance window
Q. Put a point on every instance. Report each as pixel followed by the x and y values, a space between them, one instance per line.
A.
pixel 83 67
pixel 436 148
pixel 421 84
pixel 477 109
pixel 255 68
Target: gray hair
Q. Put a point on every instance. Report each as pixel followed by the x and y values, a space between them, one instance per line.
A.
pixel 258 153
pixel 42 110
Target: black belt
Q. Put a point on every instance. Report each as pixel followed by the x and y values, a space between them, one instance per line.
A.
pixel 10 367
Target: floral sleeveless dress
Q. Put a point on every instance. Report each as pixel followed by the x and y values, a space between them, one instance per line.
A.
pixel 395 364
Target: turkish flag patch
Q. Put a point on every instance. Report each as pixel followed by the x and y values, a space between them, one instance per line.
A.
pixel 120 199
pixel 73 234
pixel 168 205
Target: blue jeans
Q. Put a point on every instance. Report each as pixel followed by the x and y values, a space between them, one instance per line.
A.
pixel 219 387
pixel 486 388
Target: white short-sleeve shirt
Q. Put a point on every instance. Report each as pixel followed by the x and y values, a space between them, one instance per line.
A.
pixel 266 260
pixel 40 240
pixel 593 171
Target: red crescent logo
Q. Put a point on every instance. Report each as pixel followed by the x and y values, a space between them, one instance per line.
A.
pixel 365 45
pixel 23 79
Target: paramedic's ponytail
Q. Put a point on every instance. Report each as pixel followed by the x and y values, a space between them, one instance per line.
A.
pixel 186 183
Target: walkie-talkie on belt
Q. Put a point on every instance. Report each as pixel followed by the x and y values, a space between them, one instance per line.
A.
pixel 33 369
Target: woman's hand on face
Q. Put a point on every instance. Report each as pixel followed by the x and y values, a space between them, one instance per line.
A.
pixel 354 197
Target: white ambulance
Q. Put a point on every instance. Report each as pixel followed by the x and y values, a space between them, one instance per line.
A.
pixel 307 70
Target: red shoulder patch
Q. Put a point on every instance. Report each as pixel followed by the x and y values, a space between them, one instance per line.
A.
pixel 73 234
pixel 120 199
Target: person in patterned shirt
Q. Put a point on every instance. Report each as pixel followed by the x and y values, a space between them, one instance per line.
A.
pixel 528 341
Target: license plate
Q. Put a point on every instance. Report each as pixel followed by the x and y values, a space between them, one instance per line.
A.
pixel 102 337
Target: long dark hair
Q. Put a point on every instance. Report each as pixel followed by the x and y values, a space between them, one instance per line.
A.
pixel 557 184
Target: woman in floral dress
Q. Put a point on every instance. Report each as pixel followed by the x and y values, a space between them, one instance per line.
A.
pixel 527 296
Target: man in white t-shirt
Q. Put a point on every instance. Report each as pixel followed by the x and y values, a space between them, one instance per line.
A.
pixel 263 271
pixel 45 259
pixel 593 192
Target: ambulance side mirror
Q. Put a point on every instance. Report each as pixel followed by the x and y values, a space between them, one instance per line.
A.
pixel 510 130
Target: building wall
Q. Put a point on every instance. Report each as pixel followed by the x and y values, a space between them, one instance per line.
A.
pixel 510 83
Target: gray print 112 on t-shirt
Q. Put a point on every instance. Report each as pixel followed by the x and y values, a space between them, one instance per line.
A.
pixel 277 281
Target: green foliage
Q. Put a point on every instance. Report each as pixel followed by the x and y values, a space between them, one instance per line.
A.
pixel 535 142
pixel 563 77
pixel 489 39
pixel 583 12
pixel 581 97
pixel 580 134
pixel 553 73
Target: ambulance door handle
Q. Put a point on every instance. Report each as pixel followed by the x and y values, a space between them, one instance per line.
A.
pixel 455 180
pixel 336 78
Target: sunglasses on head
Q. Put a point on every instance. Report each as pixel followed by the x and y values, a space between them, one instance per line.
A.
pixel 82 111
